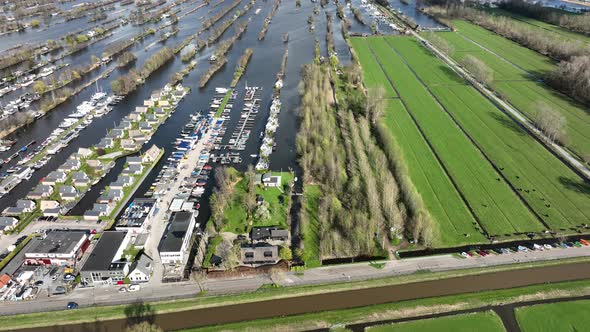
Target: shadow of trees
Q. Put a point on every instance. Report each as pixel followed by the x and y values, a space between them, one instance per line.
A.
pixel 577 186
pixel 139 312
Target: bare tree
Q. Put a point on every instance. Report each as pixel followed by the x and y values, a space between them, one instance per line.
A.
pixel 478 69
pixel 550 122
pixel 376 103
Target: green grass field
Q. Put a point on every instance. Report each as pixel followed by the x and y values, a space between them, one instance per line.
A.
pixel 550 29
pixel 441 198
pixel 309 229
pixel 494 203
pixel 562 316
pixel 482 322
pixel 559 196
pixel 525 58
pixel 235 214
pixel 521 89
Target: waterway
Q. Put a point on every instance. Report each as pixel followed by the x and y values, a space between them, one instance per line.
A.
pixel 340 300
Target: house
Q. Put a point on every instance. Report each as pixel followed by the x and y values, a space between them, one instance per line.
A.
pixel 124 125
pixel 149 103
pixel 259 254
pixel 155 96
pixel 116 133
pixel 99 166
pixel 141 109
pixel 151 119
pixel 122 182
pixel 134 117
pixel 273 181
pixel 106 264
pixel 141 270
pixel 110 196
pixel 151 154
pixel 83 153
pixel 104 209
pixel 47 204
pixel 144 126
pixel 269 233
pixel 134 161
pixel 163 103
pixel 80 179
pixel 92 215
pixel 134 169
pixel 105 143
pixel 128 144
pixel 55 177
pixel 22 206
pixel 40 191
pixel 67 193
pixel 160 113
pixel 7 224
pixel 70 165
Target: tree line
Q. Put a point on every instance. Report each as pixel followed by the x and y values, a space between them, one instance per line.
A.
pixel 570 21
pixel 362 206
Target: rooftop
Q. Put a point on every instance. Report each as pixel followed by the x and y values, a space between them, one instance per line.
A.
pixel 137 212
pixel 104 252
pixel 175 232
pixel 56 242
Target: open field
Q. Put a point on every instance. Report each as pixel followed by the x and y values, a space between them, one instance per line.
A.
pixel 483 322
pixel 556 194
pixel 523 57
pixel 431 180
pixel 494 203
pixel 547 27
pixel 514 83
pixel 562 316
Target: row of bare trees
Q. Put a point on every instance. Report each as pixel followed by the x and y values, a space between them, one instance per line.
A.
pixel 529 36
pixel 571 21
pixel 361 201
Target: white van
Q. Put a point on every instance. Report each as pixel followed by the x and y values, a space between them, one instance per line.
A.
pixel 134 288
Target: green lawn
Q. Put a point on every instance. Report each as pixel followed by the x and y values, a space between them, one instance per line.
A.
pixel 482 322
pixel 236 214
pixel 494 203
pixel 309 229
pixel 562 316
pixel 521 89
pixel 558 195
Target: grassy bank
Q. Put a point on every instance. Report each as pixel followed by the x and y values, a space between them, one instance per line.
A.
pixel 482 322
pixel 452 302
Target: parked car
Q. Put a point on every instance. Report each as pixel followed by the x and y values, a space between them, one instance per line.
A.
pixel 123 290
pixel 69 277
pixel 537 247
pixel 55 276
pixel 134 288
pixel 523 249
pixel 584 242
pixel 464 254
pixel 39 283
pixel 547 246
pixel 72 305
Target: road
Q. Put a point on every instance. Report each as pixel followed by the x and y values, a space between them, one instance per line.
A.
pixel 160 220
pixel 329 274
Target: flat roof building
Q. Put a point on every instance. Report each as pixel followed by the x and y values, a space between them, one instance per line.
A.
pixel 107 265
pixel 175 243
pixel 57 247
pixel 137 215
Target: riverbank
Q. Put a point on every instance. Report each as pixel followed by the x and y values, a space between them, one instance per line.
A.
pixel 199 307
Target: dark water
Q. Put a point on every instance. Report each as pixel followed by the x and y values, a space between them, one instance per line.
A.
pixel 339 300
